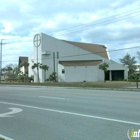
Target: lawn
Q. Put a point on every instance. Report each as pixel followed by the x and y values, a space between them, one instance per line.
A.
pixel 108 84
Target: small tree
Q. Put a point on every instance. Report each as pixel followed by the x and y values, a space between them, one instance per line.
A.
pixel 37 65
pixel 130 61
pixel 52 77
pixel 138 56
pixel 45 68
pixel 104 67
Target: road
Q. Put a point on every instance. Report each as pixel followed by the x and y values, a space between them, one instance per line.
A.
pixel 67 114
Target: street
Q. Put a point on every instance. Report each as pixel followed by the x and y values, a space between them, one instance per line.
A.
pixel 47 113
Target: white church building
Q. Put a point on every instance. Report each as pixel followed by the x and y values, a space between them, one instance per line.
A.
pixel 72 61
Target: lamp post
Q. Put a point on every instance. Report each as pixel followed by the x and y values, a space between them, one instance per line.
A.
pixel 1 59
pixel 37 42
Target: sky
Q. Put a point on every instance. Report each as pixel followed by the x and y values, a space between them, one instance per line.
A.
pixel 115 24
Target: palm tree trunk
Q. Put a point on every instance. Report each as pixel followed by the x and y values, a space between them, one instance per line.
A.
pixel 44 75
pixel 38 75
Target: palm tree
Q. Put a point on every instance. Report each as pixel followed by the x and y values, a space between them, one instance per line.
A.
pixel 45 68
pixel 104 67
pixel 37 65
pixel 3 72
pixel 9 69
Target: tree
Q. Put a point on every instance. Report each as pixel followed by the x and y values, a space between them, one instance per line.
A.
pixel 16 71
pixel 10 71
pixel 37 65
pixel 104 67
pixel 138 56
pixel 130 61
pixel 52 77
pixel 45 68
pixel 3 72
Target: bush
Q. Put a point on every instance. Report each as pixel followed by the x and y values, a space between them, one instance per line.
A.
pixel 52 77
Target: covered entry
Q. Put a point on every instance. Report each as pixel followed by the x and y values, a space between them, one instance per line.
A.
pixel 114 75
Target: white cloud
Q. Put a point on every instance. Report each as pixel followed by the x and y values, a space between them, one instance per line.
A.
pixel 81 20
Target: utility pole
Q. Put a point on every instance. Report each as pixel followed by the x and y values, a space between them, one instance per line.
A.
pixel 1 58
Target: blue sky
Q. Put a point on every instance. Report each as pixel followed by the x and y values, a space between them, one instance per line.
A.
pixel 113 23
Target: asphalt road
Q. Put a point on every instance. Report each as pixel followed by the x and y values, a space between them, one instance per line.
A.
pixel 33 113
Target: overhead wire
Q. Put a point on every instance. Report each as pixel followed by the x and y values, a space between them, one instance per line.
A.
pixel 97 23
pixel 82 54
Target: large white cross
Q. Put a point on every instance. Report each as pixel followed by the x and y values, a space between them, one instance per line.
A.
pixel 37 40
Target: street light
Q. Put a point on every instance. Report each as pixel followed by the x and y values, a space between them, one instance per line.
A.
pixel 1 59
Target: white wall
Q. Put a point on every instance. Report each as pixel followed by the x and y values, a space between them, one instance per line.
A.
pixel 61 76
pixel 54 45
pixel 83 73
pixel 66 50
pixel 119 67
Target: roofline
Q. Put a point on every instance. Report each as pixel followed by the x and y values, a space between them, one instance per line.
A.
pixel 85 43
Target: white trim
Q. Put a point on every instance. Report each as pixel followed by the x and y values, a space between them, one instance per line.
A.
pixel 76 114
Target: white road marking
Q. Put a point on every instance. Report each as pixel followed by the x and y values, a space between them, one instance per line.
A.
pixel 8 114
pixel 6 138
pixel 71 113
pixel 52 97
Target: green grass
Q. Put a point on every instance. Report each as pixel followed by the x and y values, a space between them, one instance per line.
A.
pixel 108 84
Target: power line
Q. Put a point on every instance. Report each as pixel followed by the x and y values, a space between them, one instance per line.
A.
pixel 97 23
pixel 82 54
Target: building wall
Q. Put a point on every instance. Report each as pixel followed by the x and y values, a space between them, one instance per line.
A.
pixel 119 67
pixel 83 73
pixel 67 52
pixel 64 49
pixel 61 76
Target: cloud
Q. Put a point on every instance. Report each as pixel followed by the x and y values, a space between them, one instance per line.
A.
pixel 80 20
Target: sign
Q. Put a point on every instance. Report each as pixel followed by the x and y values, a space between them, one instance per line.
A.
pixel 132 134
pixel 37 40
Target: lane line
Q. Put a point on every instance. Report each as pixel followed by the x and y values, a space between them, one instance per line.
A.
pixel 6 138
pixel 71 113
pixel 49 97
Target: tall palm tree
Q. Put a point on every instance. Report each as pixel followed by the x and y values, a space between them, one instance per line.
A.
pixel 37 66
pixel 104 67
pixel 45 68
